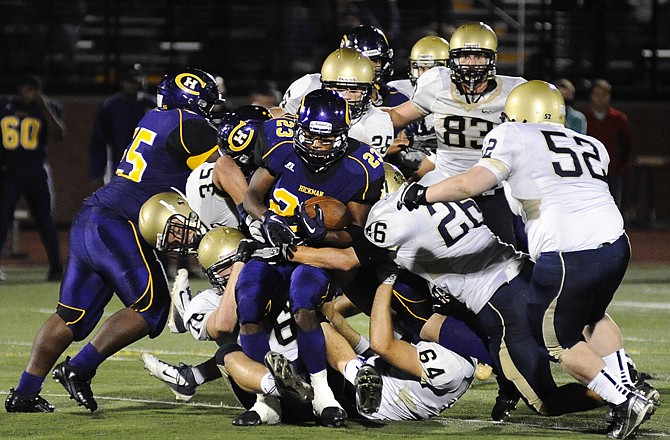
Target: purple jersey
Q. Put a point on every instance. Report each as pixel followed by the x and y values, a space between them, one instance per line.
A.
pixel 166 145
pixel 24 133
pixel 357 177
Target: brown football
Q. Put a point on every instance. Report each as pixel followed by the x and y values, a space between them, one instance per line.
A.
pixel 336 216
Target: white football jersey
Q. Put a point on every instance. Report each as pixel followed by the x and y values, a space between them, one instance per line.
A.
pixel 559 179
pixel 282 338
pixel 460 127
pixel 446 376
pixel 212 209
pixel 373 128
pixel 446 244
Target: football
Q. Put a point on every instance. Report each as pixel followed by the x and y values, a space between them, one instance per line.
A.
pixel 336 216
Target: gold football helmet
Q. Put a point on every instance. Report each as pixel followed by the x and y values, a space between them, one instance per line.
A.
pixel 535 101
pixel 426 53
pixel 351 74
pixel 168 223
pixel 479 40
pixel 216 253
pixel 393 179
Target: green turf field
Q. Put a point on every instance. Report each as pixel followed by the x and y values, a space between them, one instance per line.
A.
pixel 133 405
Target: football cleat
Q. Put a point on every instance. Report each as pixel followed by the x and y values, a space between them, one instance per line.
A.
pixel 368 390
pixel 628 416
pixel 332 417
pixel 20 403
pixel 179 379
pixel 651 394
pixel 77 383
pixel 505 403
pixel 181 296
pixel 248 418
pixel 289 383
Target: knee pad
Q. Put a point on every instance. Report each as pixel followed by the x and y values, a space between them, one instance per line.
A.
pixel 222 352
pixel 73 318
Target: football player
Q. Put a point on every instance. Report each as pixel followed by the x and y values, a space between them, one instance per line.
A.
pixel 29 123
pixel 426 53
pixel 213 190
pixel 372 42
pixel 576 238
pixel 466 101
pixel 299 158
pixel 351 74
pixel 107 254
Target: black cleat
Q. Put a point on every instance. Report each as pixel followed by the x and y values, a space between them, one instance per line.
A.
pixel 248 418
pixel 628 416
pixel 289 383
pixel 504 405
pixel 76 383
pixel 333 417
pixel 651 394
pixel 368 390
pixel 31 403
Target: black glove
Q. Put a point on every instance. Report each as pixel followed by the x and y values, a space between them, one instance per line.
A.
pixel 413 196
pixel 277 229
pixel 313 227
pixel 249 249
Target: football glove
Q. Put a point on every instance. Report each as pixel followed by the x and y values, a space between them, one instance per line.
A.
pixel 314 228
pixel 277 229
pixel 413 196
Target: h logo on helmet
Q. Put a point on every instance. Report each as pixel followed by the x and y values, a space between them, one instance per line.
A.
pixel 239 139
pixel 188 82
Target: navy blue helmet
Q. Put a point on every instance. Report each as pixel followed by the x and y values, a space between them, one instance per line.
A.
pixel 372 43
pixel 323 116
pixel 191 89
pixel 238 133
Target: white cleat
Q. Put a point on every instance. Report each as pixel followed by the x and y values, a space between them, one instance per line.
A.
pixel 179 379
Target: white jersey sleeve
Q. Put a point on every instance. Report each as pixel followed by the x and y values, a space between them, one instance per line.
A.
pixel 374 128
pixel 213 209
pixel 447 376
pixel 446 244
pixel 558 177
pixel 297 90
pixel 460 126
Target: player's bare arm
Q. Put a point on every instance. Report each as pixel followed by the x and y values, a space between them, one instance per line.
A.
pixel 229 178
pixel 254 200
pixel 398 353
pixel 403 114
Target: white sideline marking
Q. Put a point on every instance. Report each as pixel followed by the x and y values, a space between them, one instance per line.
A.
pixel 641 305
pixel 126 399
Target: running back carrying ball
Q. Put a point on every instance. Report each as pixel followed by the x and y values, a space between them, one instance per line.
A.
pixel 336 216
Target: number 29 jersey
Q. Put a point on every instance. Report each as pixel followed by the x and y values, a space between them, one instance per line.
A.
pixel 558 180
pixel 460 127
pixel 356 177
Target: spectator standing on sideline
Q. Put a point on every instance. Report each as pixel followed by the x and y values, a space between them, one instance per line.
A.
pixel 115 122
pixel 610 126
pixel 29 121
pixel 574 119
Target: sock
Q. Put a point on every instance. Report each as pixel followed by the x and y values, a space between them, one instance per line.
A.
pixel 606 385
pixel 351 369
pixel 323 395
pixel 29 384
pixel 456 336
pixel 618 364
pixel 206 371
pixel 268 385
pixel 312 349
pixel 362 346
pixel 255 345
pixel 87 359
